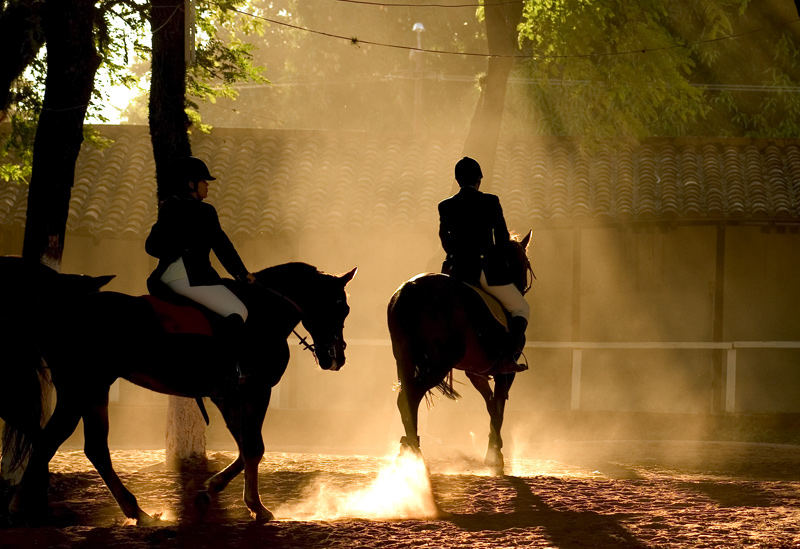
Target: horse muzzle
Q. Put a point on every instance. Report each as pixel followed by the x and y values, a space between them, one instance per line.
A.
pixel 331 357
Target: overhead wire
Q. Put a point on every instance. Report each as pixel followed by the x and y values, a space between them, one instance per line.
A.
pixel 419 5
pixel 356 41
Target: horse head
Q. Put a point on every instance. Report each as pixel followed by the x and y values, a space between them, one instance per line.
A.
pixel 520 264
pixel 323 317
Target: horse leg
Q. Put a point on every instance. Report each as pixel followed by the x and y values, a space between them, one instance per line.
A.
pixel 495 405
pixel 252 452
pixel 251 460
pixel 220 481
pixel 95 432
pixel 244 420
pixel 408 404
pixel 31 495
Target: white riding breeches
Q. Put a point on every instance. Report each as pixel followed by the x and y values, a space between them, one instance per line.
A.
pixel 511 298
pixel 218 298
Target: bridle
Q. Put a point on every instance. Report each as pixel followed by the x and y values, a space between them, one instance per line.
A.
pixel 303 341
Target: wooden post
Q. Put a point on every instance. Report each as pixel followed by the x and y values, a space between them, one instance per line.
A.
pixel 730 381
pixel 718 372
pixel 576 284
pixel 577 354
pixel 575 393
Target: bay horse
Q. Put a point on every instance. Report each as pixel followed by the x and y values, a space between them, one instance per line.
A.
pixel 113 335
pixel 37 296
pixel 438 323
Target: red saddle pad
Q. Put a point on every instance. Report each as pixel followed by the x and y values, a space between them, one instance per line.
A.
pixel 179 319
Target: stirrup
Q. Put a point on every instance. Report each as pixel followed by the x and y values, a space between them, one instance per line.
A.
pixel 510 367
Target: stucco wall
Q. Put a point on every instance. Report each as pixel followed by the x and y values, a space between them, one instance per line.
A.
pixel 653 284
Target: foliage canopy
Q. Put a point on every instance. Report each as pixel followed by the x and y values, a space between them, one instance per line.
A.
pixel 587 68
pixel 122 32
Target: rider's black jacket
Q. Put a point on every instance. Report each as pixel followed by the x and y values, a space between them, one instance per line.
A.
pixel 189 228
pixel 474 235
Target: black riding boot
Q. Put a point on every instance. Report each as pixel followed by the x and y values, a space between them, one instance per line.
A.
pixel 517 331
pixel 516 338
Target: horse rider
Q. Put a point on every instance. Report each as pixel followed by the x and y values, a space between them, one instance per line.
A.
pixel 186 231
pixel 474 236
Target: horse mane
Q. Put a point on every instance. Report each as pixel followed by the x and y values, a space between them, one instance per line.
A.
pixel 293 269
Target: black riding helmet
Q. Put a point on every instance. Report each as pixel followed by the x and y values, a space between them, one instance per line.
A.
pixel 468 171
pixel 192 169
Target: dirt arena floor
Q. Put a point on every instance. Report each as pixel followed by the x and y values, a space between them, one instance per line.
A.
pixel 573 494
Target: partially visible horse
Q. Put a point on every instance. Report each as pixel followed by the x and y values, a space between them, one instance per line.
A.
pixel 34 296
pixel 113 335
pixel 438 323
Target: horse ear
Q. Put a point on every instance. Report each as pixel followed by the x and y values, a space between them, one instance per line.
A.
pixel 347 277
pixel 525 241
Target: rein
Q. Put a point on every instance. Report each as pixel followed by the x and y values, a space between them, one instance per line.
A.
pixel 303 341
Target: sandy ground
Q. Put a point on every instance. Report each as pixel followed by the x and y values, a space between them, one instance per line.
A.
pixel 578 494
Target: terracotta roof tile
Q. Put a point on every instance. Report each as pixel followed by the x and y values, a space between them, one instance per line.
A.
pixel 646 185
pixel 292 181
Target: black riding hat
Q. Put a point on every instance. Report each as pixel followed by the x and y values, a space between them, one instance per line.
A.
pixel 468 171
pixel 193 170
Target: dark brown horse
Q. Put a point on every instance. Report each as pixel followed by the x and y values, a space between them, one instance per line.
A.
pixel 35 296
pixel 113 335
pixel 436 324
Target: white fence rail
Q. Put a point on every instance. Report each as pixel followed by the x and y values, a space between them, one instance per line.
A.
pixel 730 348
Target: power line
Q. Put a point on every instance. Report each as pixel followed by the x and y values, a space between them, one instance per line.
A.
pixel 470 78
pixel 399 5
pixel 171 15
pixel 356 41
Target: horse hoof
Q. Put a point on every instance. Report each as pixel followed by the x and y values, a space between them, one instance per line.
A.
pixel 407 445
pixel 262 515
pixel 37 515
pixel 494 461
pixel 146 520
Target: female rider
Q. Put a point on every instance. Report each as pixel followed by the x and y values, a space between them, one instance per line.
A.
pixel 182 238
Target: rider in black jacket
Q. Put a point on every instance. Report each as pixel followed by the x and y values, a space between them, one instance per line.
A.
pixel 182 238
pixel 473 230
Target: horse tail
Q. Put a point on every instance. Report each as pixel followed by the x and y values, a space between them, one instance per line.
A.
pixel 24 410
pixel 419 344
pixel 446 387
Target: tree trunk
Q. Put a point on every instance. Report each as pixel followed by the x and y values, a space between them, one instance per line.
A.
pixel 21 37
pixel 167 117
pixel 186 443
pixel 72 62
pixel 186 440
pixel 484 132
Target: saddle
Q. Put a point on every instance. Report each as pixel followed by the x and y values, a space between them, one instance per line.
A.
pixel 179 315
pixel 492 324
pixel 492 304
pixel 179 319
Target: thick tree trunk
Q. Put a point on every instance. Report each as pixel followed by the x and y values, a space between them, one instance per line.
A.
pixel 484 132
pixel 186 443
pixel 72 62
pixel 186 440
pixel 167 117
pixel 21 37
